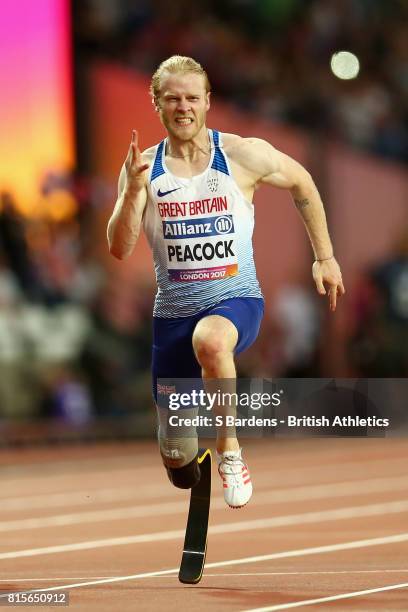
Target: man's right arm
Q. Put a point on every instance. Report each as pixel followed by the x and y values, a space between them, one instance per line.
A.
pixel 125 222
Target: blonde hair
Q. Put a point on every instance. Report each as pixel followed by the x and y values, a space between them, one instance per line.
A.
pixel 174 65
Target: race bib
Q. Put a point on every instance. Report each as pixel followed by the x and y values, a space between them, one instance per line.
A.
pixel 201 249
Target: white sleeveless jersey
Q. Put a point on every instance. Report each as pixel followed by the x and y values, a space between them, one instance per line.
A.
pixel 200 231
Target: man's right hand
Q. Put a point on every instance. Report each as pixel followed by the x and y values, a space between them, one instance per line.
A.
pixel 125 222
pixel 135 168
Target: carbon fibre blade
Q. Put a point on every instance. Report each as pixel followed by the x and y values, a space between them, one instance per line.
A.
pixel 195 542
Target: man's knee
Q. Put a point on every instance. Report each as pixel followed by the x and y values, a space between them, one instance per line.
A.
pixel 209 349
pixel 179 457
pixel 214 338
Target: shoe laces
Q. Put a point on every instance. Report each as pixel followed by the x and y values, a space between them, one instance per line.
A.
pixel 231 466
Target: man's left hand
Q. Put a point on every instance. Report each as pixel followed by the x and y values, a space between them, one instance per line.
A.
pixel 328 272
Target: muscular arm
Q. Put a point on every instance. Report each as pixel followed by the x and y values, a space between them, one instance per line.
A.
pixel 280 170
pixel 125 222
pixel 272 167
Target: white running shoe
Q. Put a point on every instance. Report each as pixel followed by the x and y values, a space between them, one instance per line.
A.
pixel 235 478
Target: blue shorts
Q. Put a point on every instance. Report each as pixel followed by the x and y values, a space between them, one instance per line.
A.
pixel 173 355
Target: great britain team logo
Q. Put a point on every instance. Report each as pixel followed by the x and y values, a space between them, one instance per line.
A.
pixel 212 183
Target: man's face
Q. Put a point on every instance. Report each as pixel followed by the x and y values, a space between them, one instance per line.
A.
pixel 183 104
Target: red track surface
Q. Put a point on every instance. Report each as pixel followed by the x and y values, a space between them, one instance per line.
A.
pixel 109 512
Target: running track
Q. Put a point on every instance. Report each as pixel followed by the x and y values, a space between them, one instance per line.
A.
pixel 327 529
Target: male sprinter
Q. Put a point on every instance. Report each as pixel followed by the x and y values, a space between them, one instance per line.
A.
pixel 193 195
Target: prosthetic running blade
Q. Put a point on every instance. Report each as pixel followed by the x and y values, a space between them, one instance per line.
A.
pixel 195 542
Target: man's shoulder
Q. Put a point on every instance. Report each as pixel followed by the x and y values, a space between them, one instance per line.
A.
pixel 231 140
pixel 234 140
pixel 238 146
pixel 247 153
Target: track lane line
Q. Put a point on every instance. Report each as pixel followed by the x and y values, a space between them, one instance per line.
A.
pixel 394 539
pixel 309 602
pixel 297 471
pixel 265 523
pixel 218 575
pixel 306 493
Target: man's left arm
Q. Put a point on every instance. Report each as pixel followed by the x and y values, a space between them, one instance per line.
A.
pixel 280 170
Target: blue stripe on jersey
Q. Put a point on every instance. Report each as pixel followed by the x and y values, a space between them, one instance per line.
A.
pixel 219 162
pixel 158 169
pixel 216 138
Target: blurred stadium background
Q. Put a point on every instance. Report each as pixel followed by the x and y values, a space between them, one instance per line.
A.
pixel 75 323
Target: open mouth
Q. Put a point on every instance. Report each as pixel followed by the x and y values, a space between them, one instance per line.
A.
pixel 184 121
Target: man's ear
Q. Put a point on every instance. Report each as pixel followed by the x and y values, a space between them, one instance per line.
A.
pixel 156 104
pixel 208 100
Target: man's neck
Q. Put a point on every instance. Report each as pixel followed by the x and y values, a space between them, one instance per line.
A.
pixel 189 149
